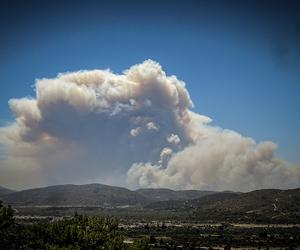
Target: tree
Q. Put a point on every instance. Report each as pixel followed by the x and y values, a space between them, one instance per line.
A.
pixel 7 232
pixel 6 216
pixel 141 244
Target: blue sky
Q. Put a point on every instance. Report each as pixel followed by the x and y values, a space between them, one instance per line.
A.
pixel 239 59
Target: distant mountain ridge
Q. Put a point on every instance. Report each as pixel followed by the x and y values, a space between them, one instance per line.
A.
pixel 259 206
pixel 96 195
pixel 89 195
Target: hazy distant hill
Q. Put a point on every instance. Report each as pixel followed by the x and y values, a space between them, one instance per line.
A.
pixel 97 194
pixel 4 191
pixel 87 195
pixel 164 194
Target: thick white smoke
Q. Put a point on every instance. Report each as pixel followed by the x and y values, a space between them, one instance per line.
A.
pixel 134 129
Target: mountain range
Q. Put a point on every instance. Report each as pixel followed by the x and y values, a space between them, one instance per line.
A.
pixel 260 206
pixel 95 195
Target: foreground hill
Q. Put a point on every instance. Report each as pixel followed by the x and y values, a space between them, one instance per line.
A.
pixel 4 191
pixel 260 206
pixel 266 205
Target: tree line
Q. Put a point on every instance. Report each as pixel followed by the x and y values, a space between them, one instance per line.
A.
pixel 77 232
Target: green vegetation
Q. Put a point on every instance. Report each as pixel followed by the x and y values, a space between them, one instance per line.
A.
pixel 77 232
pixel 94 232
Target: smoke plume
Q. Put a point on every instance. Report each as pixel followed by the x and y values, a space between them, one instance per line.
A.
pixel 136 129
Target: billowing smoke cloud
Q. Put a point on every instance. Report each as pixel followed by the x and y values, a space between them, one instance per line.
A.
pixel 134 129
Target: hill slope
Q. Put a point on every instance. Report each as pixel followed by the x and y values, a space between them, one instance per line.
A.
pixel 96 195
pixel 4 191
pixel 164 194
pixel 266 205
pixel 178 205
pixel 260 206
pixel 86 195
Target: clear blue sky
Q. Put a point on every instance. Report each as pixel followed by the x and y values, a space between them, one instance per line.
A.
pixel 239 59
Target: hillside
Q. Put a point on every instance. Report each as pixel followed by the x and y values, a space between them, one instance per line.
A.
pixel 260 206
pixel 164 194
pixel 4 191
pixel 86 195
pixel 205 201
pixel 96 195
pixel 266 205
